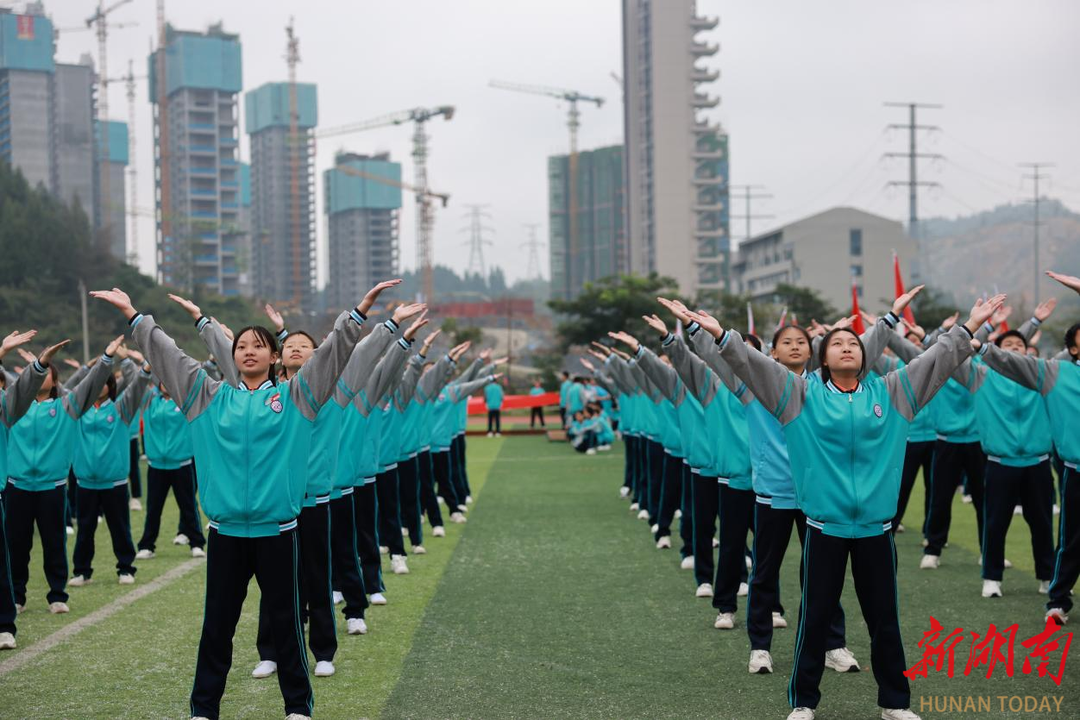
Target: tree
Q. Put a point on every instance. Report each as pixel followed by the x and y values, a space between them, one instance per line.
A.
pixel 458 333
pixel 931 307
pixel 730 309
pixel 805 304
pixel 614 303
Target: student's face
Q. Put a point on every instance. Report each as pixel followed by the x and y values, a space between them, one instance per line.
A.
pixel 1033 351
pixel 252 356
pixel 1014 344
pixel 791 349
pixel 295 352
pixel 843 353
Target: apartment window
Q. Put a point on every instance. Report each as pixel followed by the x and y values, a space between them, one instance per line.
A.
pixel 856 271
pixel 855 238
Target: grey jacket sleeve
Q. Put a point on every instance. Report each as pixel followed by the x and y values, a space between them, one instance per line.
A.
pixel 181 375
pixel 914 385
pixel 363 360
pixel 77 376
pixel 876 339
pixel 886 364
pixel 904 348
pixel 19 394
pixel 699 379
pixel 931 337
pixel 459 392
pixel 9 376
pixel 1033 373
pixel 407 387
pixel 315 382
pixel 434 380
pixel 969 375
pixel 706 348
pixel 779 390
pixel 85 394
pixel 661 375
pixel 382 378
pixel 476 369
pixel 1062 354
pixel 620 372
pixel 219 345
pixel 128 371
pixel 129 400
pixel 606 381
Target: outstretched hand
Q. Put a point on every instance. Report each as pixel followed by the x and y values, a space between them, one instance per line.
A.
pixel 191 308
pixel 844 323
pixel 70 362
pixel 604 349
pixel 410 332
pixel 117 298
pixel 982 311
pixel 1069 281
pixel 626 338
pixel 707 322
pixel 26 355
pixel 585 363
pixel 275 317
pixel 656 324
pixel 228 330
pixel 948 322
pixel 902 302
pixel 373 294
pixel 48 353
pixel 460 350
pixel 430 339
pixel 913 328
pixel 404 312
pixel 16 339
pixel 111 349
pixel 1001 315
pixel 1045 309
pixel 676 308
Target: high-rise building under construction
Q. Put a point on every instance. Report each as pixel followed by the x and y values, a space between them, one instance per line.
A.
pixel 676 159
pixel 282 225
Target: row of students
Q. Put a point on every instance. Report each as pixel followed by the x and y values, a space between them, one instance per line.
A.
pixel 814 400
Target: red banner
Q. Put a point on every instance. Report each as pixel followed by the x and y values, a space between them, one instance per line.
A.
pixel 24 27
pixel 514 402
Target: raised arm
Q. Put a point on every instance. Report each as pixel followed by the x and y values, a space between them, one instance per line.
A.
pixel 386 373
pixel 435 379
pixel 700 380
pixel 220 346
pixel 457 393
pixel 132 396
pixel 20 392
pixel 1031 372
pixel 79 400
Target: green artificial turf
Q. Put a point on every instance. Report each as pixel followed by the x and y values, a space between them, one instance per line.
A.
pixel 551 602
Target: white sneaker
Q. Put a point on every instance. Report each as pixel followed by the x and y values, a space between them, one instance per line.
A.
pixel 925 542
pixel 59 608
pixel 724 621
pixel 1057 509
pixel 398 566
pixel 463 508
pixel 760 662
pixel 643 515
pixel 126 579
pixel 991 588
pixel 966 499
pixel 180 539
pixel 744 590
pixel 7 641
pixel 19 609
pixel 457 517
pixel 841 660
pixel 704 590
pixel 749 562
pixel 678 514
pixel 144 554
pixel 134 504
pixel 297 716
pixel 801 714
pixel 79 581
pixel 930 562
pixel 438 531
pixel 491 434
pixel 604 448
pixel 404 532
pixel 899 714
pixel 687 563
pixel 198 553
pixel 664 543
pixel 338 598
pixel 590 451
pixel 634 507
pixel 324 668
pixel 1018 510
pixel 468 499
pixel 1044 587
pixel 384 550
pixel 624 492
pixel 1006 564
pixel 69 530
pixel 654 528
pixel 716 542
pixel 900 528
pixel 356 626
pixel 778 620
pixel 440 499
pixel 378 599
pixel 264 669
pixel 419 550
pixel 1059 615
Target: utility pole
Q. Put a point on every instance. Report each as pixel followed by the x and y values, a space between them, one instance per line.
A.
pixel 748 195
pixel 1035 176
pixel 533 246
pixel 913 155
pixel 477 214
pixel 85 323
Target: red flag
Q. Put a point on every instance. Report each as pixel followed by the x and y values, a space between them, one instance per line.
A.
pixel 899 282
pixel 858 325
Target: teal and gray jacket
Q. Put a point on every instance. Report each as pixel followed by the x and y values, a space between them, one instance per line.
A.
pixel 847 448
pixel 103 450
pixel 252 447
pixel 15 400
pixel 442 426
pixel 42 444
pixel 1057 381
pixel 166 433
pixel 683 411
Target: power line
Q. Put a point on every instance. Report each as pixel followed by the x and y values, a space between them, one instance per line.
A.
pixel 533 246
pixel 748 195
pixel 477 239
pixel 913 156
pixel 1036 176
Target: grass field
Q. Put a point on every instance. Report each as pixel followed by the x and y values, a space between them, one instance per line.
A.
pixel 551 602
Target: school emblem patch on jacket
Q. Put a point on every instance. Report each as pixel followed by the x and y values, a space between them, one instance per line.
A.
pixel 877 409
pixel 108 418
pixel 274 401
pixel 52 412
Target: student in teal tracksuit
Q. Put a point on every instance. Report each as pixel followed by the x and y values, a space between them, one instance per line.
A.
pixel 40 453
pixel 16 397
pixel 102 455
pixel 252 448
pixel 564 396
pixel 846 440
pixel 442 435
pixel 170 459
pixel 537 412
pixel 493 399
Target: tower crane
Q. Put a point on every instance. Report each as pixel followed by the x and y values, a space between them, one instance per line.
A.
pixel 425 217
pixel 572 97
pixel 133 173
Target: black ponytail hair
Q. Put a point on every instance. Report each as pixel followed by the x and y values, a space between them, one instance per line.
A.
pixel 110 385
pixel 54 391
pixel 753 340
pixel 825 374
pixel 266 338
pixel 1011 333
pixel 1070 340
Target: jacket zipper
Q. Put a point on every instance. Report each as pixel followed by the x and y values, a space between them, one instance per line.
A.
pixel 854 483
pixel 247 458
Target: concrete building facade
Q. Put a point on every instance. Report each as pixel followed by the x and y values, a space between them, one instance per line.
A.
pixel 27 115
pixel 283 233
pixel 825 252
pixel 75 114
pixel 676 159
pixel 601 220
pixel 362 222
pixel 111 209
pixel 203 81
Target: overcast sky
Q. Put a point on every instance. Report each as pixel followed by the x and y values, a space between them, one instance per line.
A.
pixel 802 89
